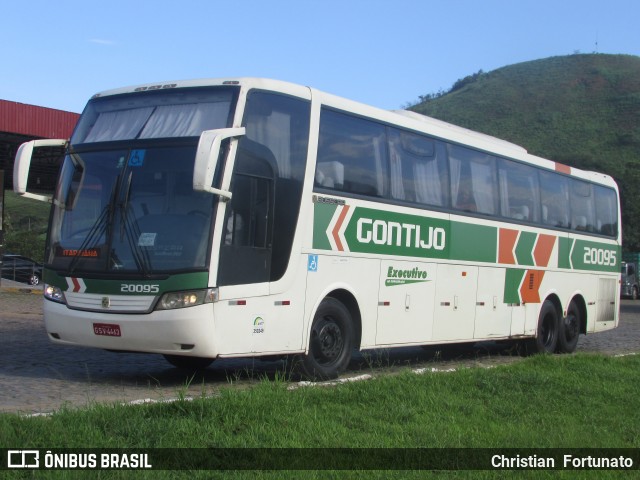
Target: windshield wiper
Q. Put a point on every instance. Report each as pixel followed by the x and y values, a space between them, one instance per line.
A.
pixel 99 227
pixel 132 231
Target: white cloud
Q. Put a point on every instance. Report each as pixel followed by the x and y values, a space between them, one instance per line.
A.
pixel 101 41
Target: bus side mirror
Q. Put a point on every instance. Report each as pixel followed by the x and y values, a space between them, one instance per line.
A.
pixel 22 164
pixel 207 160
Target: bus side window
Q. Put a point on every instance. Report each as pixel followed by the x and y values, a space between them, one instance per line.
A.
pixel 352 155
pixel 520 193
pixel 554 195
pixel 582 206
pixel 474 183
pixel 418 168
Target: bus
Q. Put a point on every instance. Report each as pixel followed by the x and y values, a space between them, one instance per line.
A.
pixel 247 217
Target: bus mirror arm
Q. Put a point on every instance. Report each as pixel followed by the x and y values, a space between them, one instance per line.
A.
pixel 207 159
pixel 22 165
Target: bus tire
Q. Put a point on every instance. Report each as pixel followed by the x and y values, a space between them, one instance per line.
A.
pixel 188 363
pixel 330 341
pixel 569 330
pixel 546 338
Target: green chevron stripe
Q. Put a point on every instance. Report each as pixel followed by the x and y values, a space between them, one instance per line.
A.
pixel 524 248
pixel 512 281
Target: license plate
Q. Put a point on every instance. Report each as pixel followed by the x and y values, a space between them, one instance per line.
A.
pixel 107 329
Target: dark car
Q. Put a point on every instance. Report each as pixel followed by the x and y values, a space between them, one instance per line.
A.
pixel 21 269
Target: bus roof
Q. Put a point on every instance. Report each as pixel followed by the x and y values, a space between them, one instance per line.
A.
pixel 246 82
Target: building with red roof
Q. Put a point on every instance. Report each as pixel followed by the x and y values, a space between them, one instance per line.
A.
pixel 20 123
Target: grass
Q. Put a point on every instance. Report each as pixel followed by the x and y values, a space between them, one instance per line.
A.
pixel 579 401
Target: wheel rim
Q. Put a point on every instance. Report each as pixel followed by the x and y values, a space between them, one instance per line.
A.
pixel 328 341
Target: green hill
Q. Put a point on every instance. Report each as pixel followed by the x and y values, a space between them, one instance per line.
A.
pixel 581 110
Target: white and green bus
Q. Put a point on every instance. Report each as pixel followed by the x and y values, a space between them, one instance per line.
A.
pixel 250 217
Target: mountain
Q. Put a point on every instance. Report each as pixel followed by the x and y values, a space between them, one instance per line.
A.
pixel 581 110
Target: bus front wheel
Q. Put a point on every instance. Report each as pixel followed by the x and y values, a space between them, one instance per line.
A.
pixel 330 342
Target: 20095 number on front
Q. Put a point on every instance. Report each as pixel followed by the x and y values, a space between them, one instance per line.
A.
pixel 139 288
pixel 600 256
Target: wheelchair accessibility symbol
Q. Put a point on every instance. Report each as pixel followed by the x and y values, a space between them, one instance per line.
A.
pixel 312 264
pixel 137 158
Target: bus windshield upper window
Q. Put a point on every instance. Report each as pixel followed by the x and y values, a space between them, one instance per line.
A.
pixel 154 115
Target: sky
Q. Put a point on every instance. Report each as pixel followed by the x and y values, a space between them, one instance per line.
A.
pixel 385 53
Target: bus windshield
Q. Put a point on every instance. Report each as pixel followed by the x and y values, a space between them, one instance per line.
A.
pixel 125 201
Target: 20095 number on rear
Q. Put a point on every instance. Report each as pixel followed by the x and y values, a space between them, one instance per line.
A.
pixel 139 288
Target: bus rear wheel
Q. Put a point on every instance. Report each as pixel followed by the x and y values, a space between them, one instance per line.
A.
pixel 330 342
pixel 569 330
pixel 546 339
pixel 188 363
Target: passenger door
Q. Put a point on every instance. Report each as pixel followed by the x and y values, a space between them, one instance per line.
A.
pixel 245 253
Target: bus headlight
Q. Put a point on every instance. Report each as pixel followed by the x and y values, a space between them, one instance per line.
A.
pixel 53 293
pixel 173 300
